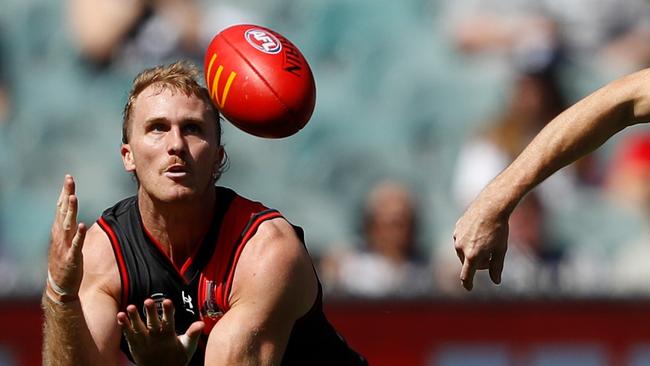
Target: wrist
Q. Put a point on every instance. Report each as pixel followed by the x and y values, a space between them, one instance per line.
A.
pixel 59 299
pixel 501 199
pixel 57 294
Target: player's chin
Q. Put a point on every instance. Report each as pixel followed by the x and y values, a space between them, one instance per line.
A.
pixel 188 191
pixel 180 193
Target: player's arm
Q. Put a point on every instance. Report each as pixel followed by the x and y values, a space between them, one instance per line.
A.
pixel 79 303
pixel 481 233
pixel 274 284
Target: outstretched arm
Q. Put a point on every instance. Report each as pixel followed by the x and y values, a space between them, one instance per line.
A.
pixel 481 233
pixel 79 303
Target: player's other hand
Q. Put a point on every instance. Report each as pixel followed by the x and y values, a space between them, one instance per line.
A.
pixel 65 262
pixel 156 342
pixel 481 241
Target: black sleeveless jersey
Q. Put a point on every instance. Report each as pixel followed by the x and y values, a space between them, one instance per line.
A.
pixel 201 287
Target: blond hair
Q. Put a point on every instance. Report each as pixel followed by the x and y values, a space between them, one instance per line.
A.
pixel 178 76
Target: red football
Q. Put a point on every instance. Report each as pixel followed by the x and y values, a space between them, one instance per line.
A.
pixel 260 81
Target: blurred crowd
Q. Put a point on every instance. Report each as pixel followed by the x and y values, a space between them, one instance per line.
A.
pixel 420 104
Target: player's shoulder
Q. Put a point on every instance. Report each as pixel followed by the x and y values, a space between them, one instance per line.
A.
pixel 276 260
pixel 277 237
pixel 97 241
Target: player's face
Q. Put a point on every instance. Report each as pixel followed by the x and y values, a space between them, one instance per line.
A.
pixel 173 145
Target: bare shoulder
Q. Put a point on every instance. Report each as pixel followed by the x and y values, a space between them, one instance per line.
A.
pixel 276 245
pixel 275 264
pixel 100 266
pixel 279 237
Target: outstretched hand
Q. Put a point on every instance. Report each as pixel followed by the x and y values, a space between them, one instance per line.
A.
pixel 65 262
pixel 481 241
pixel 156 342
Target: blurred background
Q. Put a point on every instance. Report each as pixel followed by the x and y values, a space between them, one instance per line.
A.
pixel 420 104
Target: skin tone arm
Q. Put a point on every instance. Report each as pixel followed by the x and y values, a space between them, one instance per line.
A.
pixel 79 326
pixel 84 320
pixel 481 233
pixel 274 284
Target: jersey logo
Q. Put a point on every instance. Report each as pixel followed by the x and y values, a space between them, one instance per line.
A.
pixel 187 302
pixel 210 308
pixel 159 297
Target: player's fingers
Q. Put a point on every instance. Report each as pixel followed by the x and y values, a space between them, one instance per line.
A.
pixel 62 196
pixel 496 265
pixel 70 218
pixel 78 240
pixel 459 249
pixel 153 322
pixel 467 274
pixel 190 339
pixel 168 315
pixel 195 330
pixel 70 184
pixel 66 191
pixel 133 338
pixel 124 322
pixel 137 325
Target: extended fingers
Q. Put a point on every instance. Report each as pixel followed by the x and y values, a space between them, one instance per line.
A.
pixel 190 339
pixel 459 249
pixel 137 325
pixel 473 260
pixel 66 190
pixel 195 330
pixel 467 274
pixel 468 261
pixel 496 264
pixel 153 321
pixel 168 314
pixel 70 218
pixel 132 326
pixel 78 239
pixel 124 322
pixel 62 195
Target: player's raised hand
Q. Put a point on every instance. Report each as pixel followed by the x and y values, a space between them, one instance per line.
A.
pixel 65 262
pixel 156 342
pixel 481 241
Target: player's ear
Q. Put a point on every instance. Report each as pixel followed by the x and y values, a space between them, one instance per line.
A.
pixel 127 157
pixel 220 157
pixel 221 152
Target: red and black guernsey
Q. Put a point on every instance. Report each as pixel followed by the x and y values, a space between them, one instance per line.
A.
pixel 201 287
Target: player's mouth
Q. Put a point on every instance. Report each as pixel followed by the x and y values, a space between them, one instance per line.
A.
pixel 176 171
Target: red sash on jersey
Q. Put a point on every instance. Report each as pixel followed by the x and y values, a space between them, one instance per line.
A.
pixel 239 224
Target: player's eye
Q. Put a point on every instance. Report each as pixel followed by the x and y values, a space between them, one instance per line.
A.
pixel 192 128
pixel 157 127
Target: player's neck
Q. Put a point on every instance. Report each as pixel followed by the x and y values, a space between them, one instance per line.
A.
pixel 178 227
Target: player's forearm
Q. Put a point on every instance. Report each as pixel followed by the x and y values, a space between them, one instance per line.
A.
pixel 66 338
pixel 574 133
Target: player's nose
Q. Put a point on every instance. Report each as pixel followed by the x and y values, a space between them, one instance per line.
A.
pixel 176 143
